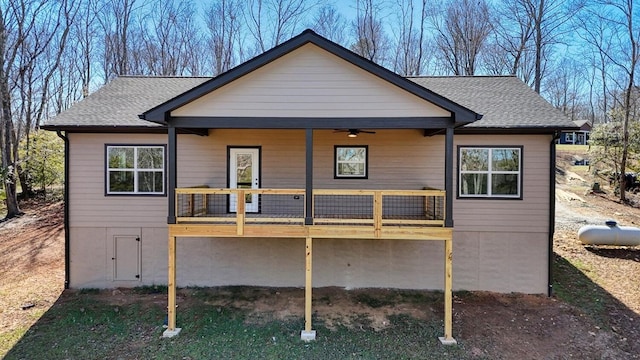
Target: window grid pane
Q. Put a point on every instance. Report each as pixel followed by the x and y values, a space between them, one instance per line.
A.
pixel 499 176
pixel 351 162
pixel 135 169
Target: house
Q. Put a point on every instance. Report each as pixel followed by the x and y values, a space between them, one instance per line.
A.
pixel 310 154
pixel 579 135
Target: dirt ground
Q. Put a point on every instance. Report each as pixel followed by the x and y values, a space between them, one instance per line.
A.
pixel 31 266
pixel 510 326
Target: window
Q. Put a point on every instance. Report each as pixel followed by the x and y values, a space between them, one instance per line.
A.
pixel 490 172
pixel 351 162
pixel 568 137
pixel 135 169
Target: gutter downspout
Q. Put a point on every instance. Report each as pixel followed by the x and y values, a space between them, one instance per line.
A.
pixel 66 208
pixel 552 209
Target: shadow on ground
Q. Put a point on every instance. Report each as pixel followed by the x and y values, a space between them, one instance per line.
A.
pixel 581 321
pixel 616 253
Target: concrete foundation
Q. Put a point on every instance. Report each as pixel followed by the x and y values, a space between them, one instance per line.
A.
pixel 449 341
pixel 171 333
pixel 308 335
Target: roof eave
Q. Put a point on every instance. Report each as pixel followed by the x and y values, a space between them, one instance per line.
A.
pixel 105 128
pixel 476 130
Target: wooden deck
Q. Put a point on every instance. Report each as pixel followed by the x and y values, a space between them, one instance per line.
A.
pixel 416 215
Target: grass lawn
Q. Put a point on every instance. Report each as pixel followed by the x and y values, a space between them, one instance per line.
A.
pixel 569 147
pixel 82 326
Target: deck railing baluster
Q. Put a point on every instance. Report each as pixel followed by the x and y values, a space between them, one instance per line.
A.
pixel 373 208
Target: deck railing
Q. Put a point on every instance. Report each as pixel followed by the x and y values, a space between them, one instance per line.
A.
pixel 375 208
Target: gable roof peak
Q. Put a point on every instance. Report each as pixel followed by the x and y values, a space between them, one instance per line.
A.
pixel 159 113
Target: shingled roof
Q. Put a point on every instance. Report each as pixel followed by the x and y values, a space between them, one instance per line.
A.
pixel 118 104
pixel 504 101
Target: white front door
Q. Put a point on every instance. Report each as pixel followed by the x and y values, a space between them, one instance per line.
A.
pixel 244 173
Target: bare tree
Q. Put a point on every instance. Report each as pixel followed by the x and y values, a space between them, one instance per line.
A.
pixel 371 42
pixel 165 38
pixel 564 88
pixel 224 23
pixel 619 44
pixel 116 21
pixel 631 33
pixel 329 23
pixel 32 38
pixel 197 61
pixel 542 23
pixel 514 31
pixel 461 34
pixel 595 31
pixel 412 41
pixel 270 22
pixel 85 35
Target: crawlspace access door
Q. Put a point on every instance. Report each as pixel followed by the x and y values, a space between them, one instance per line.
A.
pixel 126 258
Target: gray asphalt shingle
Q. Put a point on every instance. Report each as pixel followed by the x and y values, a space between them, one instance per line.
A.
pixel 504 101
pixel 121 101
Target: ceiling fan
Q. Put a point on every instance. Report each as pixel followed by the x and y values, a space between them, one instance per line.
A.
pixel 354 132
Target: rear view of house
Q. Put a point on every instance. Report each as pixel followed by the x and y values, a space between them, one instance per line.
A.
pixel 579 135
pixel 305 153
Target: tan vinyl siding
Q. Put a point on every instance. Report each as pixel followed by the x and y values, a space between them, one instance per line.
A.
pixel 89 207
pixel 483 261
pixel 309 82
pixel 531 214
pixel 283 158
pixel 495 261
pixel 202 160
pixel 91 254
pixel 398 159
pixel 499 245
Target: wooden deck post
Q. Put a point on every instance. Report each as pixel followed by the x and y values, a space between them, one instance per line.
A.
pixel 377 213
pixel 307 334
pixel 240 212
pixel 448 339
pixel 171 285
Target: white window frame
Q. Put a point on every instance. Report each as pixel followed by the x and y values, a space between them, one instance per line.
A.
pixel 489 172
pixel 364 162
pixel 569 137
pixel 135 170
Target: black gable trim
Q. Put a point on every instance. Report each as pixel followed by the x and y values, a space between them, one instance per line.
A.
pixel 160 113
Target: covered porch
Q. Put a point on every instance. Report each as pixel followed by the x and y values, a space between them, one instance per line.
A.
pixel 312 215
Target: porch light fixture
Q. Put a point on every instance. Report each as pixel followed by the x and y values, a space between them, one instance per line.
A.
pixel 352 133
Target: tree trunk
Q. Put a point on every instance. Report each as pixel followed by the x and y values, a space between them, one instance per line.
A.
pixel 538 50
pixel 6 132
pixel 13 209
pixel 627 101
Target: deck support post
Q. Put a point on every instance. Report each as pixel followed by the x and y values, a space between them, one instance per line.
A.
pixel 448 339
pixel 171 285
pixel 377 213
pixel 240 212
pixel 307 334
